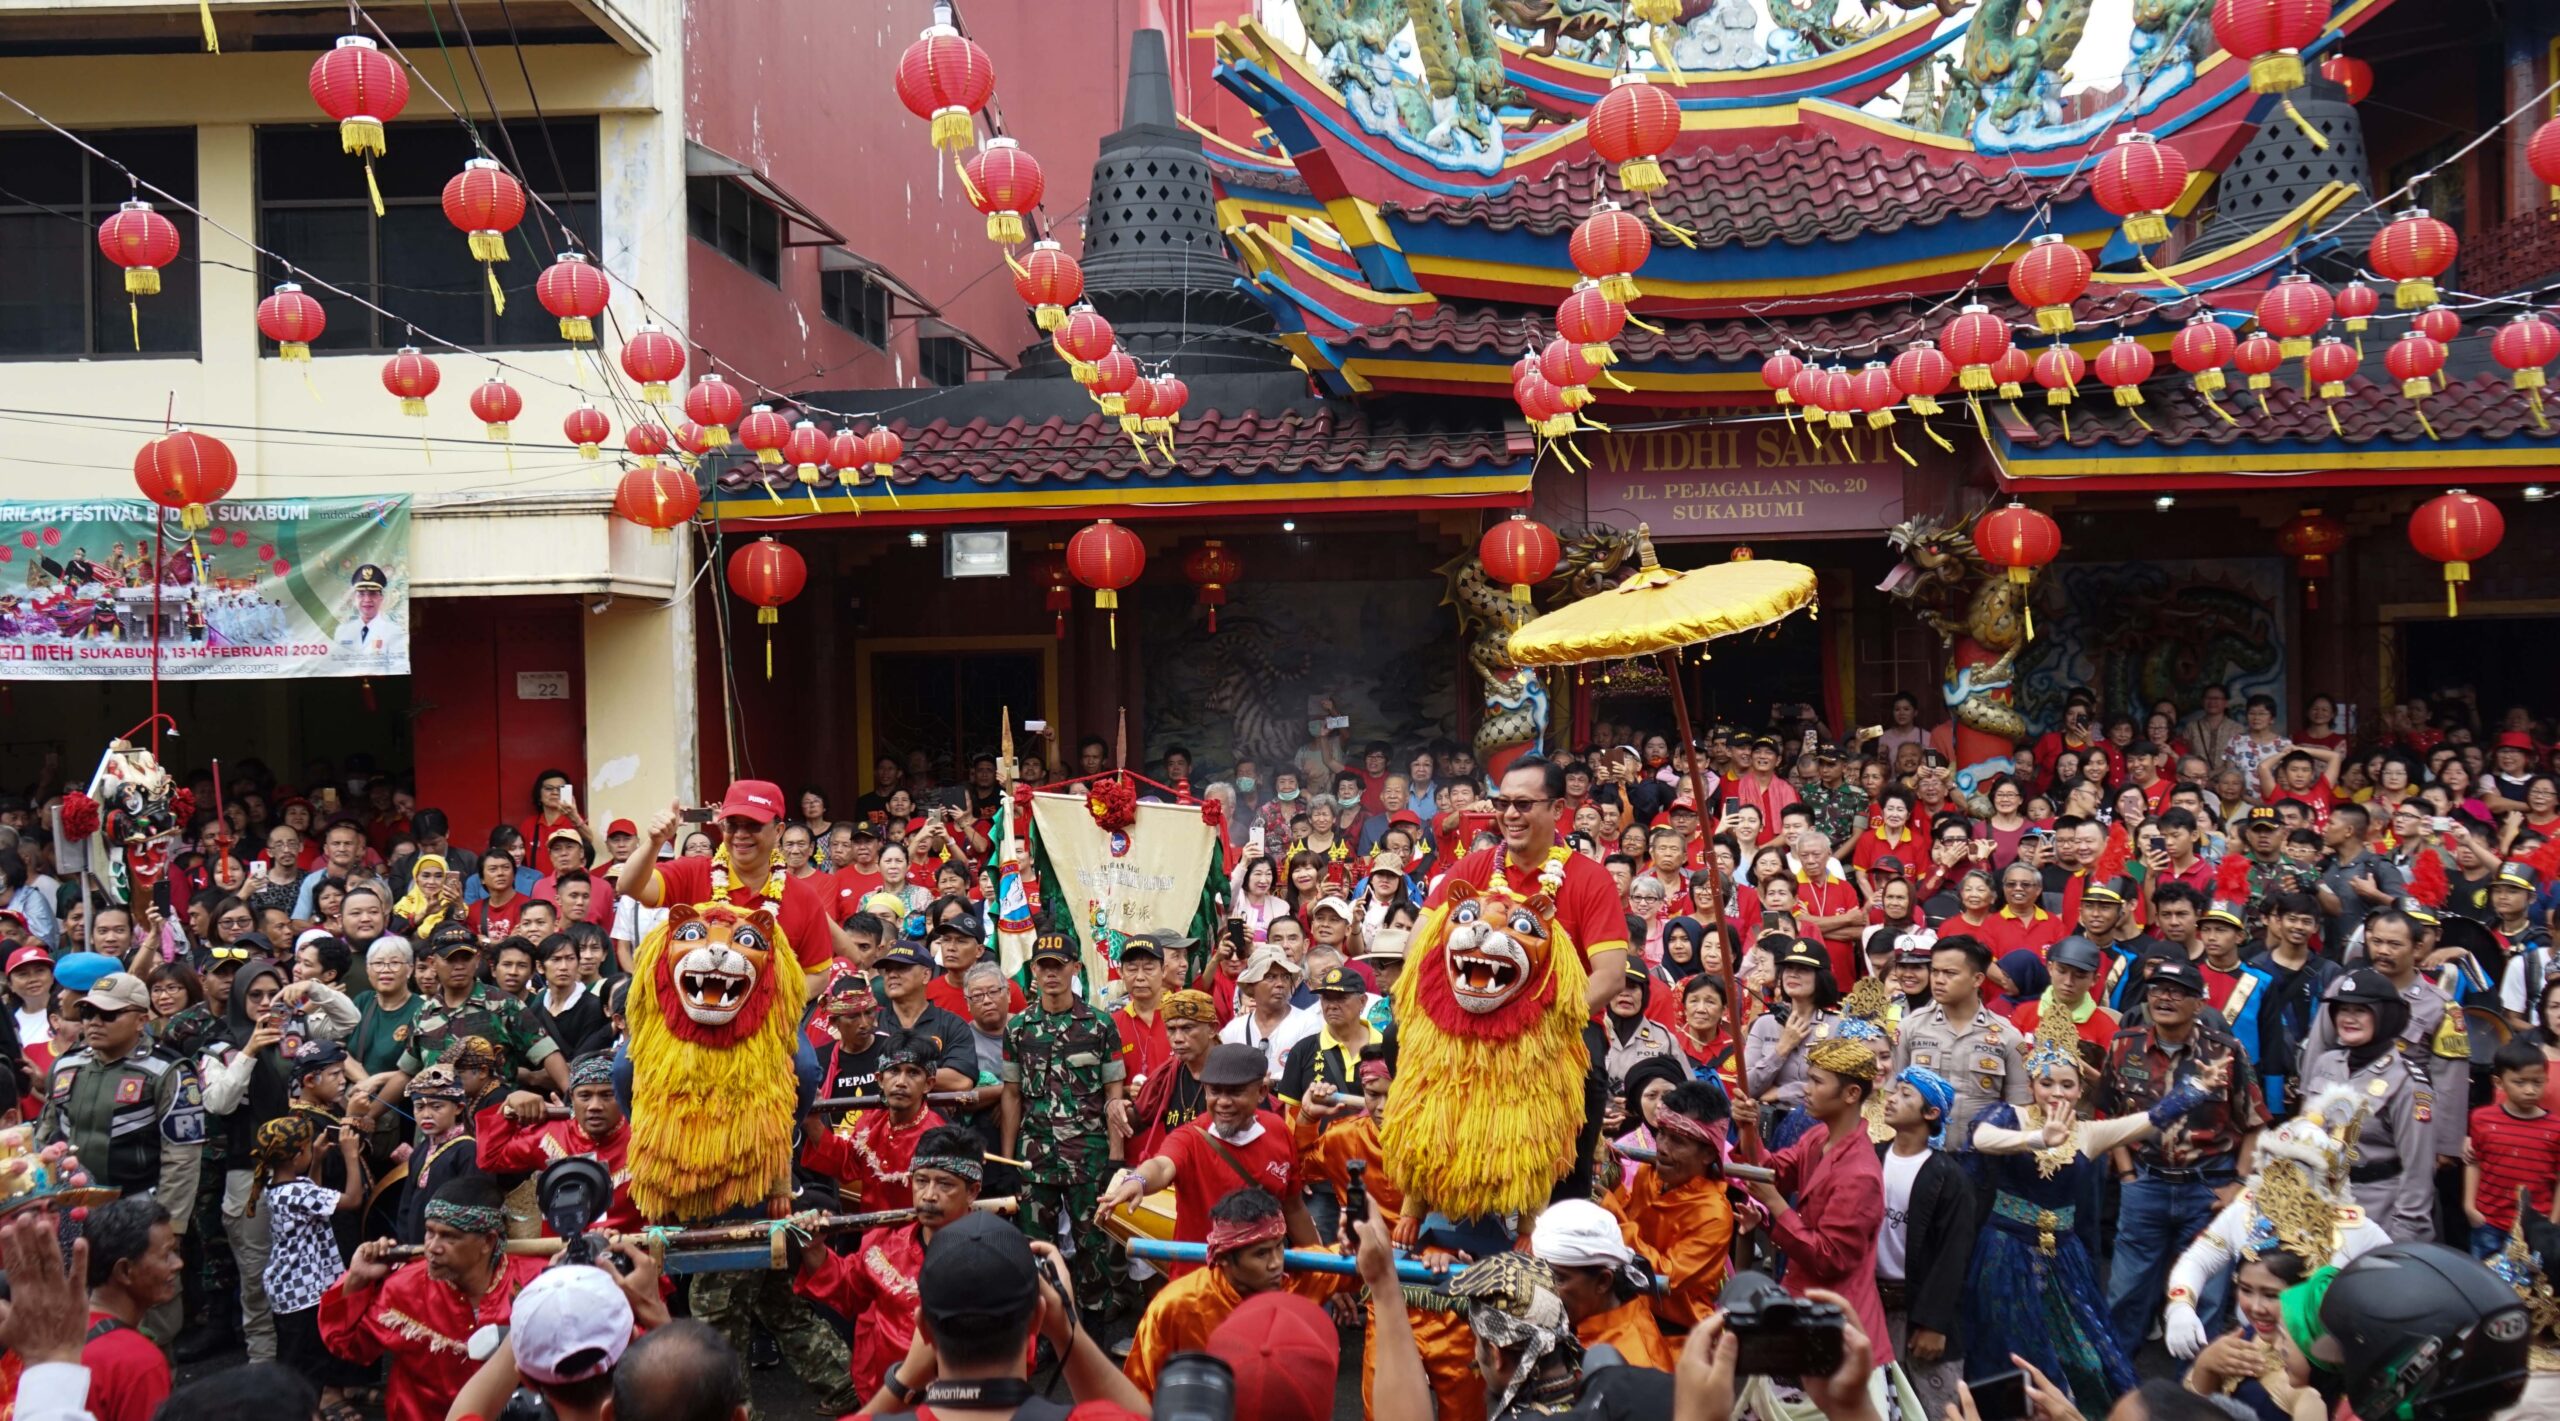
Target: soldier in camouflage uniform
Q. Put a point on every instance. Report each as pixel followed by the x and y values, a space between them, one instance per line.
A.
pixel 467 1007
pixel 1839 807
pixel 1063 1108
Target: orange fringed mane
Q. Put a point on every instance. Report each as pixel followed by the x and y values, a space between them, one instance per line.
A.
pixel 1485 1125
pixel 711 1124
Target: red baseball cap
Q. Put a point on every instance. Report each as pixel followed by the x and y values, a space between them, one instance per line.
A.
pixel 759 800
pixel 32 952
pixel 2516 740
pixel 622 826
pixel 1284 1352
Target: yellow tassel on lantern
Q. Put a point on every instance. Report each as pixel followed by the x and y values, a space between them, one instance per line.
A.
pixel 2144 229
pixel 2260 381
pixel 1620 287
pixel 361 134
pixel 1926 405
pixel 1975 377
pixel 488 246
pixel 2275 71
pixel 414 408
pixel 1049 318
pixel 194 519
pixel 577 329
pixel 1642 175
pixel 1520 593
pixel 2410 295
pixel 767 616
pixel 498 431
pixel 2294 347
pixel 2316 138
pixel 2227 416
pixel 2056 320
pixel 1981 421
pixel 2339 429
pixel 2455 574
pixel 142 281
pixel 1005 227
pixel 2058 395
pixel 1936 438
pixel 2419 388
pixel 2333 390
pixel 1841 419
pixel 957 128
pixel 1115 405
pixel 1109 602
pixel 1672 229
pixel 2011 389
pixel 204 13
pixel 2158 275
pixel 2211 382
pixel 293 350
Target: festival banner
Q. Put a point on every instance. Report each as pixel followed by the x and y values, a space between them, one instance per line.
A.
pixel 1118 883
pixel 275 587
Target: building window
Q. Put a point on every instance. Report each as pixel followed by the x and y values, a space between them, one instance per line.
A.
pixel 942 360
pixel 62 298
pixel 854 301
pixel 314 213
pixel 742 226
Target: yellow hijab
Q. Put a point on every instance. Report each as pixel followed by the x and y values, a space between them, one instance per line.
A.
pixel 413 904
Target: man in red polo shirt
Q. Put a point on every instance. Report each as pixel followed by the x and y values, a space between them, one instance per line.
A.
pixel 1235 1146
pixel 2142 771
pixel 746 872
pixel 2022 921
pixel 1587 899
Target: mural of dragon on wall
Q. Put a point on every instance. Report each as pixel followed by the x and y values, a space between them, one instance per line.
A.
pixel 1517 701
pixel 1980 616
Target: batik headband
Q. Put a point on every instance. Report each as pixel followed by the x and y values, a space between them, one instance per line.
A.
pixel 595 1069
pixel 282 1138
pixel 1226 1236
pixel 1937 1091
pixel 1854 1059
pixel 467 1218
pixel 971 1170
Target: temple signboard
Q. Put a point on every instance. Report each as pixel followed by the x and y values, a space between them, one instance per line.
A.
pixel 1739 480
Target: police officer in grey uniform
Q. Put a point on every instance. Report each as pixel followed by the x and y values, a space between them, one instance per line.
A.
pixel 1974 1047
pixel 2433 1042
pixel 134 1117
pixel 2355 1042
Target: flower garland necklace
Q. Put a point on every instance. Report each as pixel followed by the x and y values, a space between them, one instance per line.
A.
pixel 773 881
pixel 1550 873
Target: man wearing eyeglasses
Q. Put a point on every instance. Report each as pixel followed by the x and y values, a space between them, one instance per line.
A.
pixel 134 1117
pixel 1524 808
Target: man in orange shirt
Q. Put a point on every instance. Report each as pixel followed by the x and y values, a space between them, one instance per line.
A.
pixel 1602 1282
pixel 1683 1220
pixel 1248 1249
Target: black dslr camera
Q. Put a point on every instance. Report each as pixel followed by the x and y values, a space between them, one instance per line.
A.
pixel 1781 1336
pixel 573 1193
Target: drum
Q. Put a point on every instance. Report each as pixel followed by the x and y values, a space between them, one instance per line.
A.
pixel 1150 1217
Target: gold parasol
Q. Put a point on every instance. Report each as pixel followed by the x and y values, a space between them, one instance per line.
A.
pixel 1658 609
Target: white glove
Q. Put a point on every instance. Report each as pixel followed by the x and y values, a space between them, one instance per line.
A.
pixel 2185 1330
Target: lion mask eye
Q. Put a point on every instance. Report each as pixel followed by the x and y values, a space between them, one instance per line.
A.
pixel 1467 912
pixel 746 939
pixel 1525 923
pixel 694 931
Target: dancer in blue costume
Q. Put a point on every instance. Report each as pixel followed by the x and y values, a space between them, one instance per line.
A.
pixel 2036 1292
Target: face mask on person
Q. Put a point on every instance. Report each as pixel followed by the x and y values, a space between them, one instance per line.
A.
pixel 1347 801
pixel 1284 796
pixel 1244 784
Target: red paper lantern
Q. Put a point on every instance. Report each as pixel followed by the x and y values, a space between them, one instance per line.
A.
pixel 1050 281
pixel 944 77
pixel 882 448
pixel 1520 551
pixel 2018 538
pixel 2139 180
pixel 1569 370
pixel 486 202
pixel 1592 318
pixel 1543 404
pixel 1113 375
pixel 1610 247
pixel 412 377
pixel 695 440
pixel 2522 347
pixel 2051 276
pixel 1872 393
pixel 844 452
pixel 2413 360
pixel 2356 304
pixel 2201 348
pixel 1779 373
pixel 1106 557
pixel 2330 365
pixel 1837 396
pixel 141 241
pixel 292 320
pixel 587 428
pixel 2258 357
pixel 363 89
pixel 768 574
pixel 2456 529
pixel 2437 323
pixel 805 449
pixel 2413 250
pixel 2293 311
pixel 714 404
pixel 1082 340
pixel 1632 126
pixel 1172 395
pixel 1211 569
pixel 2349 73
pixel 575 290
pixel 646 439
pixel 2122 367
pixel 1004 183
pixel 2542 153
pixel 654 358
pixel 657 496
pixel 1810 390
pixel 2058 369
pixel 762 432
pixel 2011 371
pixel 2311 539
pixel 1975 340
pixel 182 471
pixel 1058 597
pixel 496 404
pixel 1921 374
pixel 2270 34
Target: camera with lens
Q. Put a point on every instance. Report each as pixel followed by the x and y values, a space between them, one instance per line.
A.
pixel 1194 1386
pixel 573 1193
pixel 1781 1336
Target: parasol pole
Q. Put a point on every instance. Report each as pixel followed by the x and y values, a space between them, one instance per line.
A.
pixel 1715 893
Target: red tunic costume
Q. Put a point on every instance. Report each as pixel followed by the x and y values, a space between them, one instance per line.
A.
pixel 424 1327
pixel 507 1148
pixel 873 1154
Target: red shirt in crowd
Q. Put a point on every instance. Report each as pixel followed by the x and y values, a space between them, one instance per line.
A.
pixel 128 1378
pixel 803 911
pixel 490 920
pixel 1202 1176
pixel 2513 1150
